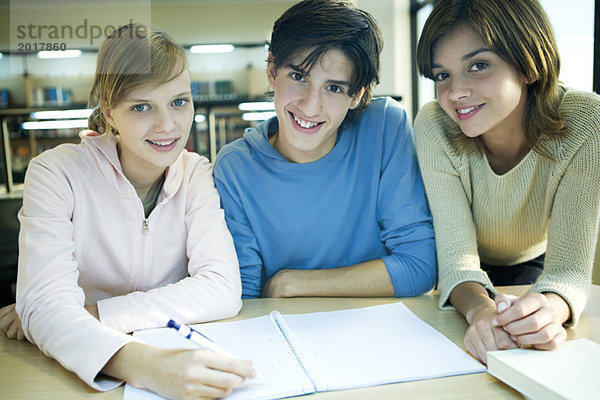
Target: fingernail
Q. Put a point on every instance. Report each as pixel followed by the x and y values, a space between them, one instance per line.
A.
pixel 495 322
pixel 501 306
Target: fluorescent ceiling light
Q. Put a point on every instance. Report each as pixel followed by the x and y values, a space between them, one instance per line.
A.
pixel 212 48
pixel 199 118
pixel 257 116
pixel 59 54
pixel 257 106
pixel 64 124
pixel 61 114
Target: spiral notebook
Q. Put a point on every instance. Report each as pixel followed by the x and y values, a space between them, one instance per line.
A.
pixel 306 353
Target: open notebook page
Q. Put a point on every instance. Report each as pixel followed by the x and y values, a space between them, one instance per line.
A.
pixel 254 339
pixel 375 345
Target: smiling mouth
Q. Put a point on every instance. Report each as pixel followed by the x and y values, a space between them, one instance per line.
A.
pixel 303 123
pixel 163 143
pixel 465 113
pixel 467 110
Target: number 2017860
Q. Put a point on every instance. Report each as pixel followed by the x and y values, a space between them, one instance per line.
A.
pixel 41 46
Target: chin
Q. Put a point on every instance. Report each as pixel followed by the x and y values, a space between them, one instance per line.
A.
pixel 472 133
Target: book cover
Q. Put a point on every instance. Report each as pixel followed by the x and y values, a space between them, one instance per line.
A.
pixel 569 372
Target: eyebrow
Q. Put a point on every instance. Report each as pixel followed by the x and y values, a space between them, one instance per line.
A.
pixel 186 93
pixel 467 56
pixel 474 53
pixel 331 81
pixel 339 83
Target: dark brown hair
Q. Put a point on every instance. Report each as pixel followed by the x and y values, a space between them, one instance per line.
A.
pixel 518 31
pixel 322 25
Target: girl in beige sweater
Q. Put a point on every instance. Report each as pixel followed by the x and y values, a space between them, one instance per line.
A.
pixel 511 165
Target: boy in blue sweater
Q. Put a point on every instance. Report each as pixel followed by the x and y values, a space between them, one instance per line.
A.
pixel 326 198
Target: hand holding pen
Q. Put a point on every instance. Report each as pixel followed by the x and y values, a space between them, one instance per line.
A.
pixel 205 342
pixel 177 373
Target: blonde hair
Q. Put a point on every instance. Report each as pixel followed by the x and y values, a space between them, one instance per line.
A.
pixel 131 56
pixel 520 32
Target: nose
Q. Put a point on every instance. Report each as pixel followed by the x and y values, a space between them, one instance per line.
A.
pixel 459 88
pixel 311 101
pixel 163 121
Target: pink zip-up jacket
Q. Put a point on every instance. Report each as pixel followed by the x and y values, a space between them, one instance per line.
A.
pixel 84 240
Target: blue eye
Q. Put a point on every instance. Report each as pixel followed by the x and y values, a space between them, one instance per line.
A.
pixel 140 107
pixel 180 102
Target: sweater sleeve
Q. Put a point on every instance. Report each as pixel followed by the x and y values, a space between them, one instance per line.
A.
pixel 246 245
pixel 403 213
pixel 446 179
pixel 211 291
pixel 573 228
pixel 50 303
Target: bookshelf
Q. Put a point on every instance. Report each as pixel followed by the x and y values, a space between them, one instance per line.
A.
pixel 216 123
pixel 219 83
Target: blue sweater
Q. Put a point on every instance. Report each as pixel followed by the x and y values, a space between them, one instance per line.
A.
pixel 364 200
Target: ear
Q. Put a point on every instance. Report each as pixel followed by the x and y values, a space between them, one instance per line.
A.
pixel 529 81
pixel 108 116
pixel 357 98
pixel 271 71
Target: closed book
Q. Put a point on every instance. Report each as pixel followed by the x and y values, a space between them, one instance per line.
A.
pixel 569 372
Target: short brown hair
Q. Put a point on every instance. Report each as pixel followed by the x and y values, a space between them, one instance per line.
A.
pixel 322 25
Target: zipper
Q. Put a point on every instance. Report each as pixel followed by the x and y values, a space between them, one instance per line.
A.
pixel 141 261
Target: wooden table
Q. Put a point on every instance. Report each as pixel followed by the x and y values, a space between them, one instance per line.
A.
pixel 25 373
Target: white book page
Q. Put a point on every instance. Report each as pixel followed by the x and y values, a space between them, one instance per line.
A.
pixel 254 339
pixel 375 345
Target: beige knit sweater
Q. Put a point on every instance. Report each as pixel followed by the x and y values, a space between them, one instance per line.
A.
pixel 538 206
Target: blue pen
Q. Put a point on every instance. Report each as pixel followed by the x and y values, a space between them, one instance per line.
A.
pixel 201 340
pixel 204 341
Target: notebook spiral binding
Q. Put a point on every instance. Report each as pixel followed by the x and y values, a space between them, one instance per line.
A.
pixel 289 338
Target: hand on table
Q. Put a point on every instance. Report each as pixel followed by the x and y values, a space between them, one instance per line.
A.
pixel 482 336
pixel 10 323
pixel 534 319
pixel 179 373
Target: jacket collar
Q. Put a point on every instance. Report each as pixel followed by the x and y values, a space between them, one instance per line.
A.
pixel 103 148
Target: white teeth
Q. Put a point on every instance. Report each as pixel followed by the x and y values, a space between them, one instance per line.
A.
pixel 304 124
pixel 465 110
pixel 162 142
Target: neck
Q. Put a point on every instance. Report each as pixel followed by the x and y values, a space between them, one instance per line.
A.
pixel 142 179
pixel 505 152
pixel 297 157
pixel 505 145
